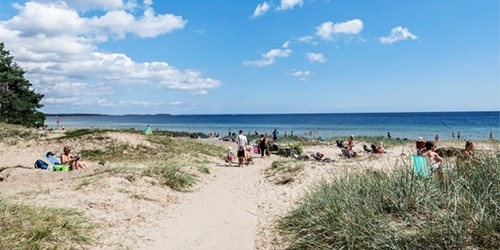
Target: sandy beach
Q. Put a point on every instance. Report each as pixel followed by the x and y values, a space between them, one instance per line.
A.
pixel 228 208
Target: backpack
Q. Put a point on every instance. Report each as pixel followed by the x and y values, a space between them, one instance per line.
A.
pixel 41 164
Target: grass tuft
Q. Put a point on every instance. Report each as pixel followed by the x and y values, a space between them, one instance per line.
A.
pixel 171 175
pixel 34 227
pixel 283 172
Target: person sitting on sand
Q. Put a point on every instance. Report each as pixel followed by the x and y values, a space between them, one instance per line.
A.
pixel 433 158
pixel 468 152
pixel 377 149
pixel 73 161
pixel 420 145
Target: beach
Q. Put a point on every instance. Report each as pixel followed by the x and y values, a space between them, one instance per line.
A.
pixel 227 208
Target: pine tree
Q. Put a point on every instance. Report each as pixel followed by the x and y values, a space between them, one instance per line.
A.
pixel 18 103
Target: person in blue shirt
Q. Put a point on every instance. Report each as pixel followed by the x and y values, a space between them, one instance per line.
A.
pixel 275 135
pixel 51 157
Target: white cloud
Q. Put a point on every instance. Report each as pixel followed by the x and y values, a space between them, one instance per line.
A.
pixel 302 75
pixel 175 103
pixel 270 57
pixel 58 48
pixel 289 4
pixel 328 29
pixel 286 45
pixel 261 9
pixel 397 34
pixel 308 39
pixel 57 19
pixel 315 57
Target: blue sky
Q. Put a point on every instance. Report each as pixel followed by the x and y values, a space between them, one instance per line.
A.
pixel 229 57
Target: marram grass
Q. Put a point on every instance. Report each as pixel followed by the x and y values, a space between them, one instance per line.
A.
pixel 378 210
pixel 36 227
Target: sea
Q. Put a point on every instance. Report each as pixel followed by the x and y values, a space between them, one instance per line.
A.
pixel 470 125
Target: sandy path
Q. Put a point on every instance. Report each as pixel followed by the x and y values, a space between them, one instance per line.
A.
pixel 221 215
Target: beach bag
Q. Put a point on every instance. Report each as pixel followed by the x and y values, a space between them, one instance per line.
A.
pixel 62 168
pixel 41 164
pixel 256 150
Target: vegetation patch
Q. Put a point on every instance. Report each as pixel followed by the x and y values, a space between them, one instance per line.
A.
pixel 204 169
pixel 171 175
pixel 283 172
pixel 377 210
pixel 35 227
pixel 12 133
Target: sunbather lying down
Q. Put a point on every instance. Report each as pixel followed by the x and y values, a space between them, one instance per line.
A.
pixel 318 156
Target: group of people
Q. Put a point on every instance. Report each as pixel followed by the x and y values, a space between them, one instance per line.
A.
pixel 66 158
pixel 243 154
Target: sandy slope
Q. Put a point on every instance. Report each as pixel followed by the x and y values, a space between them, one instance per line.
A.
pixel 231 208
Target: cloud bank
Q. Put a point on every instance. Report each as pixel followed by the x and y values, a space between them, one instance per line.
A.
pixel 57 43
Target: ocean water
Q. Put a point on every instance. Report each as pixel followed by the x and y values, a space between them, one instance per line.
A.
pixel 471 125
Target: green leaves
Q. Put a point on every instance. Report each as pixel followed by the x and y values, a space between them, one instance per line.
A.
pixel 18 103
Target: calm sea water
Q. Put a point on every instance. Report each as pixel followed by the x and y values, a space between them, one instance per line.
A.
pixel 471 125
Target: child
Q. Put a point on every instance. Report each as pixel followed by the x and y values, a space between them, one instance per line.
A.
pixel 230 155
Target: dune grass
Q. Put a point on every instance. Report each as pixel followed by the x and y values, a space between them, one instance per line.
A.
pixel 35 227
pixel 283 172
pixel 171 175
pixel 10 133
pixel 379 210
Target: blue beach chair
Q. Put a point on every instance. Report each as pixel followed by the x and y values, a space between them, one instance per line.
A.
pixel 420 165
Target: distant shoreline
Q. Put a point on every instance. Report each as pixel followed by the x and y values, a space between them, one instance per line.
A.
pixel 277 114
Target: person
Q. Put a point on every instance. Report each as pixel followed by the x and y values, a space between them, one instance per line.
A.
pixel 468 152
pixel 262 145
pixel 51 157
pixel 458 136
pixel 230 155
pixel 389 136
pixel 436 137
pixel 433 158
pixel 318 156
pixel 377 149
pixel 350 142
pixel 275 135
pixel 241 141
pixel 420 145
pixel 73 161
pixel 453 135
pixel 491 135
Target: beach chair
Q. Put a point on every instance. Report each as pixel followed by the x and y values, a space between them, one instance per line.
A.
pixel 420 165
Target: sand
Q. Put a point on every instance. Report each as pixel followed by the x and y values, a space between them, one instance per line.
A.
pixel 230 208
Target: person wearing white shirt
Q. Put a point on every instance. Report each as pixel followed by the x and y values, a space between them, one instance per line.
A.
pixel 242 141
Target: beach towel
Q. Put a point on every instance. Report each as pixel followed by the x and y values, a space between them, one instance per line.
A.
pixel 420 165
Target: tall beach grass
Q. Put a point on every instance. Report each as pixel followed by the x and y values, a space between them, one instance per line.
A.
pixel 399 210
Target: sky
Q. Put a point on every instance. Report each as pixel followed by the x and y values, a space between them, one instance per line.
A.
pixel 257 57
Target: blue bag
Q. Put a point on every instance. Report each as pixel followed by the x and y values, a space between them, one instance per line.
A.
pixel 41 164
